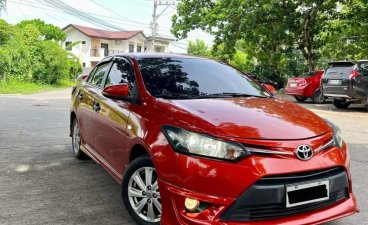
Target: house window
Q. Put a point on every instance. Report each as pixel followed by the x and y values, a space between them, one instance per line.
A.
pixel 131 48
pixel 159 49
pixel 139 48
pixel 67 44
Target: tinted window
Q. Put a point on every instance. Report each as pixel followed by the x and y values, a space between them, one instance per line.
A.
pixel 194 77
pixel 339 70
pixel 364 68
pixel 98 75
pixel 120 73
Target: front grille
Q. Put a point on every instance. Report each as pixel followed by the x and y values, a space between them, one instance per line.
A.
pixel 273 211
pixel 266 199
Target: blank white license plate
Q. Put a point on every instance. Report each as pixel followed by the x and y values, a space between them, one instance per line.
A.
pixel 293 84
pixel 334 82
pixel 301 194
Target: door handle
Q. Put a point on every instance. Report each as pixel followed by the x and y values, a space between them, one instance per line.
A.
pixel 80 96
pixel 96 106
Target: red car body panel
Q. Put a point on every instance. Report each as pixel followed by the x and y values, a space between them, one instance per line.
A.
pixel 121 126
pixel 306 86
pixel 252 118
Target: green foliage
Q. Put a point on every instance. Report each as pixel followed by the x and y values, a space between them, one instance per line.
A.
pixel 30 55
pixel 285 37
pixel 48 31
pixel 198 48
pixel 12 86
pixel 243 62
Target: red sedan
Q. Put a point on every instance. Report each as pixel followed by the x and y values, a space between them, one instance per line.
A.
pixel 306 86
pixel 194 141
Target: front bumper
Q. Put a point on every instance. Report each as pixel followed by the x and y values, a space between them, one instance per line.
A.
pixel 177 215
pixel 221 185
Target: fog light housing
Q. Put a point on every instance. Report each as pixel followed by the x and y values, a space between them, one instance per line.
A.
pixel 191 204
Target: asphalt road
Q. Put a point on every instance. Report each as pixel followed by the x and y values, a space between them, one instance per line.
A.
pixel 42 183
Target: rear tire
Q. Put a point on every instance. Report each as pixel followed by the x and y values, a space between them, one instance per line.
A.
pixel 76 141
pixel 318 97
pixel 341 104
pixel 140 192
pixel 300 98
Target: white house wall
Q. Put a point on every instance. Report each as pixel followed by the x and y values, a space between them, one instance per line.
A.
pixel 84 55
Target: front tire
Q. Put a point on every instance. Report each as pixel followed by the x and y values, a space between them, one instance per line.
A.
pixel 76 142
pixel 318 97
pixel 140 192
pixel 300 98
pixel 341 104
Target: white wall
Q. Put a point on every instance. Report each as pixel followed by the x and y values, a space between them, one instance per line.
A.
pixel 82 51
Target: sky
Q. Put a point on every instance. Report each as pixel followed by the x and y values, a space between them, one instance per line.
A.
pixel 126 14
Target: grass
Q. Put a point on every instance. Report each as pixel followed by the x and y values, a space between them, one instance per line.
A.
pixel 18 87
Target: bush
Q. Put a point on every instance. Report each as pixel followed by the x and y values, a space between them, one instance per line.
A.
pixel 28 55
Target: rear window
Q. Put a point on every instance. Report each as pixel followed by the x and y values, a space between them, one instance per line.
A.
pixel 339 70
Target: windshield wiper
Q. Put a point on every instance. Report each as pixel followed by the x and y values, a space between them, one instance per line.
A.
pixel 230 95
pixel 176 96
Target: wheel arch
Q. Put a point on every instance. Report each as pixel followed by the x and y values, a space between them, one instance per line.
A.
pixel 73 115
pixel 138 150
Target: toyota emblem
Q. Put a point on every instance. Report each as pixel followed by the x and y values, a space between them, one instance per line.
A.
pixel 304 152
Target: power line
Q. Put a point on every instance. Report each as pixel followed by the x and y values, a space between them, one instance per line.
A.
pixel 75 12
pixel 115 13
pixel 119 21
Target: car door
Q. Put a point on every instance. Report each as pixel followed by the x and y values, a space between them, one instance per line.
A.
pixel 87 95
pixel 362 81
pixel 111 121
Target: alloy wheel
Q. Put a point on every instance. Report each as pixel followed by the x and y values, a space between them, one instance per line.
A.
pixel 76 138
pixel 144 195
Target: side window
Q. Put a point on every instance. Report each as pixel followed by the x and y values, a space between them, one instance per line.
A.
pixel 364 67
pixel 98 75
pixel 121 73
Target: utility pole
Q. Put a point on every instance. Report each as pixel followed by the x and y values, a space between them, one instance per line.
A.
pixel 154 24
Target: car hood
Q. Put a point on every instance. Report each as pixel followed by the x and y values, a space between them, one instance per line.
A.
pixel 249 118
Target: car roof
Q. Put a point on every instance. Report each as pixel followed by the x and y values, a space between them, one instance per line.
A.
pixel 142 55
pixel 348 61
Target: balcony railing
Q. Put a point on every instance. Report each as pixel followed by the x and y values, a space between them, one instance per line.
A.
pixel 102 52
pixel 97 52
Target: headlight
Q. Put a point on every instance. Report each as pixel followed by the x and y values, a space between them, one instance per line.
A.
pixel 337 133
pixel 187 142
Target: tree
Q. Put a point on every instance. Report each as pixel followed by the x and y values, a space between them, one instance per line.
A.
pixel 31 52
pixel 48 31
pixel 198 48
pixel 273 28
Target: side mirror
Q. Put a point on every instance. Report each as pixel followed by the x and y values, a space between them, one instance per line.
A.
pixel 269 88
pixel 118 91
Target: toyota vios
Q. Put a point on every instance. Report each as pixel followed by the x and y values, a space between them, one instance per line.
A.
pixel 194 141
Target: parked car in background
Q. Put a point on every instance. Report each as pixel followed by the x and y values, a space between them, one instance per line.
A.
pixel 269 84
pixel 346 82
pixel 306 86
pixel 194 141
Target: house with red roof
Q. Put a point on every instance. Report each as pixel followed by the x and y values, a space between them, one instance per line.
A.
pixel 93 44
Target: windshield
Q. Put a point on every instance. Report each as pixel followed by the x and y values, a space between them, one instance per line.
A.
pixel 194 77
